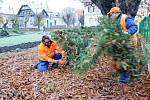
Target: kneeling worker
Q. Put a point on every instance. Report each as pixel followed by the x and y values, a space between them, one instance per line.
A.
pixel 49 52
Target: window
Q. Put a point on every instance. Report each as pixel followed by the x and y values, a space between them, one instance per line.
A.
pixel 88 8
pixel 91 9
pixel 54 22
pixel 47 23
pixel 31 21
pixel 21 22
pixel 21 13
pixel 51 24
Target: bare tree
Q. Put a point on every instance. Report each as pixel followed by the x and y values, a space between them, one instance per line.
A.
pixel 4 21
pixel 69 16
pixel 15 22
pixel 81 20
pixel 38 20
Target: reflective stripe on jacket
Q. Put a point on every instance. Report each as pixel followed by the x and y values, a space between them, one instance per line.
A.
pixel 127 26
pixel 46 53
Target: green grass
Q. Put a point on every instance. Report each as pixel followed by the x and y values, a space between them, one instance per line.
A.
pixel 24 38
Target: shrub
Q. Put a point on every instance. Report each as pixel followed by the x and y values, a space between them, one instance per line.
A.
pixel 4 33
pixel 17 32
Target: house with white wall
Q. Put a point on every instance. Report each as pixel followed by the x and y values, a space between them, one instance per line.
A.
pixel 45 18
pixel 57 20
pixel 26 14
pixel 91 13
pixel 80 16
pixel 50 19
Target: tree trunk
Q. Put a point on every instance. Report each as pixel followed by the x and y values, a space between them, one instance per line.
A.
pixel 127 6
pixel 25 25
pixel 38 26
pixel 5 26
pixel 38 22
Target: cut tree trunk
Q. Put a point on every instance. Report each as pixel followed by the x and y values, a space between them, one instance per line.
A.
pixel 127 6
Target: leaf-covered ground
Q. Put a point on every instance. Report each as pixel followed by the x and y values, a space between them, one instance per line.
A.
pixel 18 80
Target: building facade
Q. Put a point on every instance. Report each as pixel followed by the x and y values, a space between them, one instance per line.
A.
pixel 27 18
pixel 91 13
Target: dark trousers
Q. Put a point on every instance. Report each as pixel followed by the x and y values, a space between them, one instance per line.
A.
pixel 124 76
pixel 42 66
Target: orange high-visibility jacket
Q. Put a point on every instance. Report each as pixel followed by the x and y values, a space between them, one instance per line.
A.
pixel 133 37
pixel 46 53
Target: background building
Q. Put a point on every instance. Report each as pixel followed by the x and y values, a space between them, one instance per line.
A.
pixel 91 13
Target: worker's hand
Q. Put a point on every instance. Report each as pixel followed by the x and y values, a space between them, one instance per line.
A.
pixel 126 33
pixel 61 62
pixel 67 62
pixel 55 61
pixel 56 51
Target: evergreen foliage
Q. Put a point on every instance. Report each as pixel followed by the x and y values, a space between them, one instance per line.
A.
pixel 85 46
pixel 4 33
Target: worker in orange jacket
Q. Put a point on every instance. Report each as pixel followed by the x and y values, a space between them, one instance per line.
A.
pixel 128 27
pixel 127 24
pixel 49 52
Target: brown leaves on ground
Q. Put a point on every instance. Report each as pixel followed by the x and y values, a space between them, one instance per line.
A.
pixel 18 80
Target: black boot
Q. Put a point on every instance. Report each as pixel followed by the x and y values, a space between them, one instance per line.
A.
pixel 35 67
pixel 67 62
pixel 54 65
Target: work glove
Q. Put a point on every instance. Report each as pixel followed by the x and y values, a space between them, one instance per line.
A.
pixel 61 62
pixel 56 51
pixel 55 61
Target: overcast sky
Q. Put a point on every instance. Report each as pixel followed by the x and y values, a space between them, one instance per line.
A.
pixel 12 6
